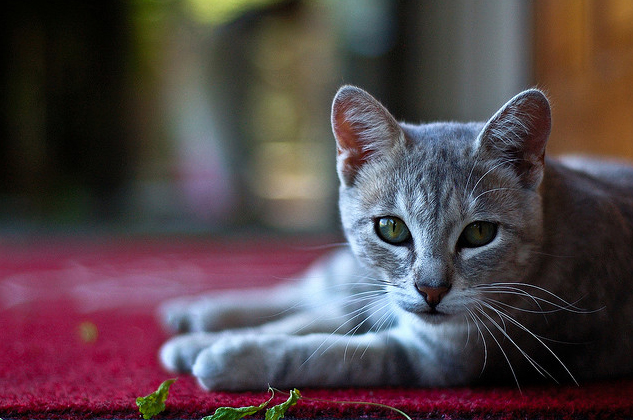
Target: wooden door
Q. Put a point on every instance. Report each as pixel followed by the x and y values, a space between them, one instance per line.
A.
pixel 584 60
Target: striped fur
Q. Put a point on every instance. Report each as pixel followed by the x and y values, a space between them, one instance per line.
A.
pixel 546 297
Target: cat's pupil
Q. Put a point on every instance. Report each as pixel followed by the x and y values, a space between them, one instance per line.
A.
pixel 477 234
pixel 392 230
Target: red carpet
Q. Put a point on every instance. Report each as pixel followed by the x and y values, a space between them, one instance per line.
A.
pixel 79 338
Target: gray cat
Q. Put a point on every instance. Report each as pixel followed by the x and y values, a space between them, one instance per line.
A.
pixel 472 259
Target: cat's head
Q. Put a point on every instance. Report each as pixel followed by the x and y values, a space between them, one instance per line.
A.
pixel 438 209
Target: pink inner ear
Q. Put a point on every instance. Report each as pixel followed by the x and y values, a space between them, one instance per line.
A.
pixel 352 151
pixel 363 128
pixel 348 138
pixel 351 154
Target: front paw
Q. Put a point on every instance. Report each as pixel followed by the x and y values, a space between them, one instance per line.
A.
pixel 192 315
pixel 176 315
pixel 179 353
pixel 235 363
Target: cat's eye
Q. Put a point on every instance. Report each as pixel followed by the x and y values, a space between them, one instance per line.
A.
pixel 477 234
pixel 392 230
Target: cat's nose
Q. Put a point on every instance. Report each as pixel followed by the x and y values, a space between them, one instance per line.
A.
pixel 433 295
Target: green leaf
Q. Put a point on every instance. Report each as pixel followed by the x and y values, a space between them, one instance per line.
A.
pixel 154 403
pixel 278 411
pixel 230 413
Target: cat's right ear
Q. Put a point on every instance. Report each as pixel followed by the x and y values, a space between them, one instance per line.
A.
pixel 363 129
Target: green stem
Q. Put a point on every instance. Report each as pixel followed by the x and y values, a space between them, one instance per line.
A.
pixel 373 404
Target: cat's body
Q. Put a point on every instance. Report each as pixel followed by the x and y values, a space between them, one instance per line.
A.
pixel 471 259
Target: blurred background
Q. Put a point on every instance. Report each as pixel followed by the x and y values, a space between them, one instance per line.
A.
pixel 212 116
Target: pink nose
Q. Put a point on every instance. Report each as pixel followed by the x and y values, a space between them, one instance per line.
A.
pixel 433 295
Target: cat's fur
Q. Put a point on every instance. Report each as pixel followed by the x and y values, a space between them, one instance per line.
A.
pixel 548 297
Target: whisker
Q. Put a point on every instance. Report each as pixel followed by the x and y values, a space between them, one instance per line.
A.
pixel 367 309
pixel 500 163
pixel 539 369
pixel 353 284
pixel 349 316
pixel 383 318
pixel 365 302
pixel 516 287
pixel 470 174
pixel 551 255
pixel 342 301
pixel 504 331
pixel 517 292
pixel 375 307
pixel 332 245
pixel 537 338
pixel 493 190
pixel 494 302
pixel 531 311
pixel 540 341
pixel 364 293
pixel 318 349
pixel 475 318
pixel 467 327
pixel 371 307
pixel 516 380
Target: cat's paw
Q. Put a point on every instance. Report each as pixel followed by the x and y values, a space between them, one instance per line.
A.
pixel 180 353
pixel 175 315
pixel 192 315
pixel 236 363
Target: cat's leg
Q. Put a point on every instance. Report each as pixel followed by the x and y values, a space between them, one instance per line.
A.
pixel 318 287
pixel 231 309
pixel 253 362
pixel 179 353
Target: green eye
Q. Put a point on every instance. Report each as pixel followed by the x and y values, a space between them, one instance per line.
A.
pixel 392 230
pixel 478 234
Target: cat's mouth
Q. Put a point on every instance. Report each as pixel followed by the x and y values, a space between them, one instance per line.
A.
pixel 433 315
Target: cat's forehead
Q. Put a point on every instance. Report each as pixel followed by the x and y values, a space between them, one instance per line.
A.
pixel 437 160
pixel 442 138
pixel 438 149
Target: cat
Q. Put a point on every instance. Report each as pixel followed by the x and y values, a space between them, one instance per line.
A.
pixel 471 259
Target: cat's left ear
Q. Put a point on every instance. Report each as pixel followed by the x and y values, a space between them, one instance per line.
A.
pixel 518 133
